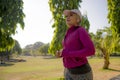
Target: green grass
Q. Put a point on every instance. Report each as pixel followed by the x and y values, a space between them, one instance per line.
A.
pixel 38 68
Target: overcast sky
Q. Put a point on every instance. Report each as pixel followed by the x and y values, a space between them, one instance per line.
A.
pixel 38 16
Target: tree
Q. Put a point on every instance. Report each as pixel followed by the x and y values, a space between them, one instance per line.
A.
pixel 106 48
pixel 16 49
pixel 11 14
pixel 32 49
pixel 44 49
pixel 103 45
pixel 57 7
pixel 5 55
pixel 114 18
pixel 106 43
pixel 85 22
pixel 114 14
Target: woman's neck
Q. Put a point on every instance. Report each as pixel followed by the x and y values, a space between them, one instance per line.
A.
pixel 69 26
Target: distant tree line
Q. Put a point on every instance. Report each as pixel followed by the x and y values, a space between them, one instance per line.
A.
pixel 36 49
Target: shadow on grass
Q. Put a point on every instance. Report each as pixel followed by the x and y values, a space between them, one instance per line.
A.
pixel 115 78
pixel 114 70
pixel 11 62
pixel 17 60
pixel 6 64
pixel 55 79
pixel 49 57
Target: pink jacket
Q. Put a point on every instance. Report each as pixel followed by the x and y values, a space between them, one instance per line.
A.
pixel 77 45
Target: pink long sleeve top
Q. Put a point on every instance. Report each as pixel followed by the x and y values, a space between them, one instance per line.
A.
pixel 77 45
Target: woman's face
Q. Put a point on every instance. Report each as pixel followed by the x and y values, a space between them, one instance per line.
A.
pixel 72 19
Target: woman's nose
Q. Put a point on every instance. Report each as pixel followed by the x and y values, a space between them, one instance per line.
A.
pixel 68 17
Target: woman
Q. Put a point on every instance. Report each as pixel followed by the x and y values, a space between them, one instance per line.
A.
pixel 77 45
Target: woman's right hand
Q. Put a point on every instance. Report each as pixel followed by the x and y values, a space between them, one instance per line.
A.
pixel 57 54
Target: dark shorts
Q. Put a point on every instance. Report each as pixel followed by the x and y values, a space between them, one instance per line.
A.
pixel 69 76
pixel 85 68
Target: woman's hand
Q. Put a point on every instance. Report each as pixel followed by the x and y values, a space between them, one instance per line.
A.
pixel 58 53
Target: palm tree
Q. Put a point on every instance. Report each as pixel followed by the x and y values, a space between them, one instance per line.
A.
pixel 106 42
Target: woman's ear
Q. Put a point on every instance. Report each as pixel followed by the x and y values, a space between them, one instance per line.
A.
pixel 78 20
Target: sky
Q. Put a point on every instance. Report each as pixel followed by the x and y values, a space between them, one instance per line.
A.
pixel 38 17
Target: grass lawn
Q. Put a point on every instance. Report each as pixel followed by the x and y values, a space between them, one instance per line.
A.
pixel 40 68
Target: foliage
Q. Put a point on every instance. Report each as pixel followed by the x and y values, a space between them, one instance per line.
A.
pixel 104 39
pixel 32 49
pixel 114 20
pixel 44 49
pixel 85 22
pixel 36 45
pixel 114 14
pixel 16 49
pixel 57 7
pixel 106 43
pixel 6 55
pixel 26 52
pixel 11 14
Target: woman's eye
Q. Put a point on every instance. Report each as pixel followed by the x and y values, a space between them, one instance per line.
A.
pixel 71 14
pixel 65 16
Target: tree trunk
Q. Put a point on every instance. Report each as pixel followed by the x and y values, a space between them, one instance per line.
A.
pixel 106 61
pixel 2 60
pixel 106 64
pixel 106 58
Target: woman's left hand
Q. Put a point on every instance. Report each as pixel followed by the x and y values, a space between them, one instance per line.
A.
pixel 59 53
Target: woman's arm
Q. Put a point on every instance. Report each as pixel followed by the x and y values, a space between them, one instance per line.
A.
pixel 88 46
